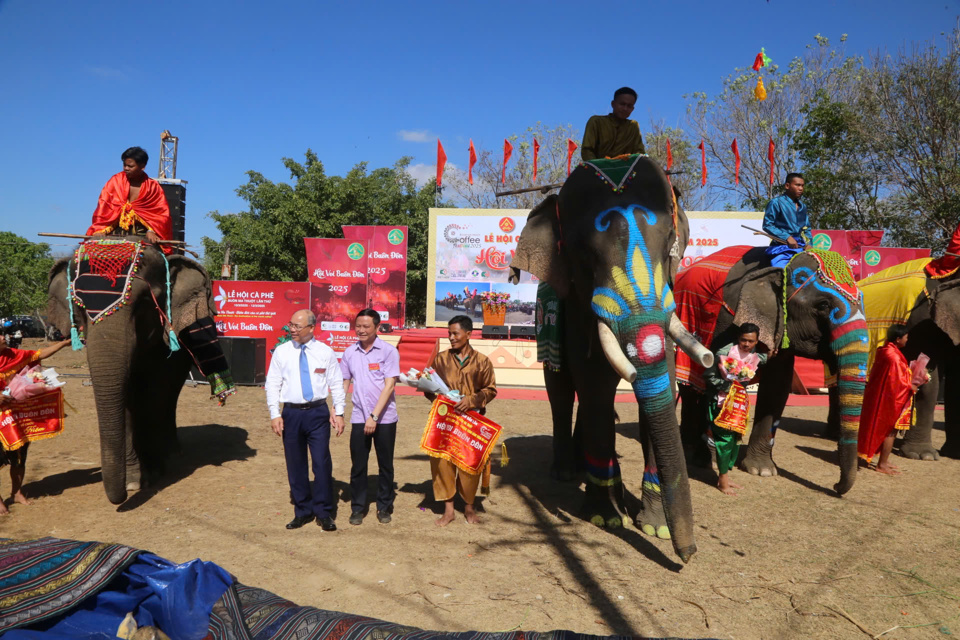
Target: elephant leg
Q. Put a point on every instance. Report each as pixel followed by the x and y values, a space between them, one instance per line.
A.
pixel 652 519
pixel 771 399
pixel 917 444
pixel 130 453
pixel 561 392
pixel 951 412
pixel 691 427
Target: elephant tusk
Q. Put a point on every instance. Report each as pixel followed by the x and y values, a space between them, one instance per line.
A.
pixel 615 355
pixel 688 343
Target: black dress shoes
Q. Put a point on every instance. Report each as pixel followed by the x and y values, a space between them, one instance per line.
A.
pixel 327 524
pixel 383 517
pixel 299 521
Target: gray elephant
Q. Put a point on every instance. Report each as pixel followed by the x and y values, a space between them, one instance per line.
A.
pixel 610 255
pixel 116 299
pixel 930 308
pixel 812 308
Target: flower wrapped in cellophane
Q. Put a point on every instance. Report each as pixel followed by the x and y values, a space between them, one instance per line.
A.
pixel 738 367
pixel 429 381
pixel 32 381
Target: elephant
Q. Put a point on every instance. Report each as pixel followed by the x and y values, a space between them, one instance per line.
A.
pixel 932 315
pixel 815 301
pixel 610 255
pixel 136 377
pixel 473 304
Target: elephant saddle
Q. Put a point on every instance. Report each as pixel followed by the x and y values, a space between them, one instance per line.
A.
pixel 104 274
pixel 699 297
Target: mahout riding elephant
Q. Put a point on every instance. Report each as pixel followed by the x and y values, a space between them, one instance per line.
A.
pixel 815 302
pixel 136 377
pixel 930 308
pixel 610 255
pixel 473 304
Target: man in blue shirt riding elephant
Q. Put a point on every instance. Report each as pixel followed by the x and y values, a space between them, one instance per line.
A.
pixel 786 220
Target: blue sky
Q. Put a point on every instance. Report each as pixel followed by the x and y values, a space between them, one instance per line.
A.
pixel 243 84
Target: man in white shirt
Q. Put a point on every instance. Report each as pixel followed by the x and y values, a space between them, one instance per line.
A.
pixel 303 372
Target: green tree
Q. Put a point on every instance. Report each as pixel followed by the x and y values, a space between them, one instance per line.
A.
pixel 266 241
pixel 23 276
pixel 686 161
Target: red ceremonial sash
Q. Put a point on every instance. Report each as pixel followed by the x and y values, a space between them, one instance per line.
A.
pixel 33 419
pixel 735 410
pixel 465 439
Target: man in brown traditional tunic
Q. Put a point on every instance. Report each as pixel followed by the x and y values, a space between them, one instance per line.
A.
pixel 471 373
pixel 613 134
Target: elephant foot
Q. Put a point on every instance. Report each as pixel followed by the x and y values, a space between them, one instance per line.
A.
pixel 133 486
pixel 652 520
pixel 599 507
pixel 951 449
pixel 919 451
pixel 757 464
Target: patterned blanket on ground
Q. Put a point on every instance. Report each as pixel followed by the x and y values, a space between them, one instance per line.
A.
pixel 699 297
pixel 889 297
pixel 44 578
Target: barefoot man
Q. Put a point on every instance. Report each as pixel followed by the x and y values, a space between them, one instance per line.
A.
pixel 471 373
pixel 12 361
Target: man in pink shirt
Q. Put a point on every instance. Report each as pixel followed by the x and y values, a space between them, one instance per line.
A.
pixel 374 367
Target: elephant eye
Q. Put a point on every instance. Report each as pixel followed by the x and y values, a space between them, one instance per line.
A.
pixel 822 305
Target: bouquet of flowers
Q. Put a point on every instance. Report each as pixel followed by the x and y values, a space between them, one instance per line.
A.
pixel 739 368
pixel 495 300
pixel 32 381
pixel 429 381
pixel 918 370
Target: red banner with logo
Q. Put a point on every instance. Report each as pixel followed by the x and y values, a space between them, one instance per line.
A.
pixel 255 309
pixel 847 244
pixel 735 411
pixel 33 419
pixel 465 439
pixel 337 270
pixel 876 259
pixel 386 269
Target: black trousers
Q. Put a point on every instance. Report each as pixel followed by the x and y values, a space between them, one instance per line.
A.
pixel 383 440
pixel 309 429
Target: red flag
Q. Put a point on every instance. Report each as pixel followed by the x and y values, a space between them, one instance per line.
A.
pixel 441 162
pixel 473 161
pixel 736 157
pixel 536 154
pixel 507 152
pixel 571 147
pixel 758 62
pixel 770 155
pixel 669 155
pixel 703 163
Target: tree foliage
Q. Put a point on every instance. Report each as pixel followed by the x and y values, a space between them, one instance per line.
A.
pixel 266 241
pixel 23 278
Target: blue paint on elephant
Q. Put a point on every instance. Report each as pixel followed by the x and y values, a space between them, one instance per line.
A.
pixel 842 310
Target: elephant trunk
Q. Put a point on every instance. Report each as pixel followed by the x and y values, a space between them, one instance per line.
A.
pixel 109 353
pixel 653 390
pixel 849 343
pixel 685 340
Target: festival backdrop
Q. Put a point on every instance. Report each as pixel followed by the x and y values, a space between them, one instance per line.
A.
pixel 337 270
pixel 470 252
pixel 847 244
pixel 386 269
pixel 875 259
pixel 251 309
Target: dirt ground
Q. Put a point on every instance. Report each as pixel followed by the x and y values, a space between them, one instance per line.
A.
pixel 783 560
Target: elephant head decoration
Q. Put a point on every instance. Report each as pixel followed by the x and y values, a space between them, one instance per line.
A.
pixel 811 308
pixel 608 244
pixel 129 332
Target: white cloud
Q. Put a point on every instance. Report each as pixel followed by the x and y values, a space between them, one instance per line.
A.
pixel 424 173
pixel 419 135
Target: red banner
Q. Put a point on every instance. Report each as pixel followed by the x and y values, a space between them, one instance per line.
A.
pixel 465 439
pixel 847 244
pixel 33 419
pixel 875 259
pixel 735 410
pixel 251 309
pixel 337 269
pixel 386 269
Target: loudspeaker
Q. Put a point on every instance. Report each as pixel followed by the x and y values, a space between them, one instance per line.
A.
pixel 246 357
pixel 176 195
pixel 494 332
pixel 527 331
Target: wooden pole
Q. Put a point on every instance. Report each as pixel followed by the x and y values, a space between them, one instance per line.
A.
pixel 757 232
pixel 79 237
pixel 544 189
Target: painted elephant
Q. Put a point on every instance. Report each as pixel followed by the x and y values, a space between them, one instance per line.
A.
pixel 473 304
pixel 610 255
pixel 136 378
pixel 815 302
pixel 930 308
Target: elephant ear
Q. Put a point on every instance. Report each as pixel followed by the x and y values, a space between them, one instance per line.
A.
pixel 683 236
pixel 945 310
pixel 58 309
pixel 191 296
pixel 538 247
pixel 761 302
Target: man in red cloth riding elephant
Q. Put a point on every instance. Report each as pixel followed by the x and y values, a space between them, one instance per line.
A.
pixel 132 203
